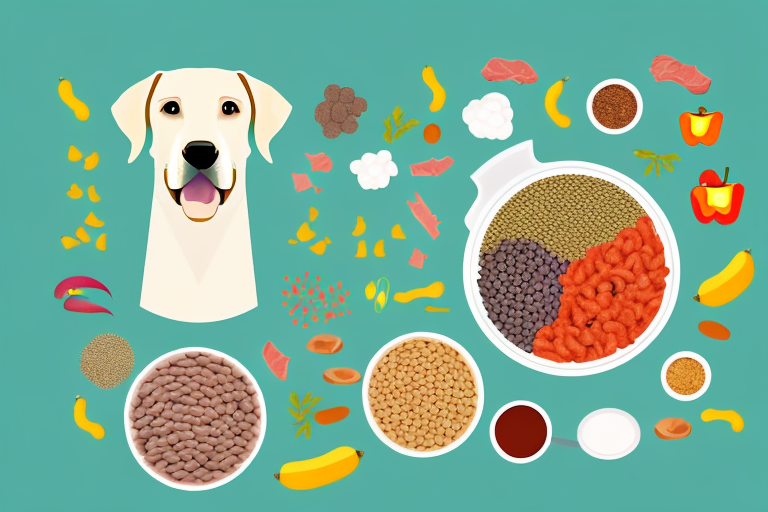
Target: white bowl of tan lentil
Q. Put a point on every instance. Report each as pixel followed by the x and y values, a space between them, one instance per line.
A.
pixel 259 428
pixel 686 376
pixel 445 411
pixel 591 106
pixel 501 178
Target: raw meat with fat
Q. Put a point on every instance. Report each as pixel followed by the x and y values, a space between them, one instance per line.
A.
pixel 518 71
pixel 666 68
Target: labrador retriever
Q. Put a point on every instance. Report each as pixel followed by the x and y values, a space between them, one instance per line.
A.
pixel 199 265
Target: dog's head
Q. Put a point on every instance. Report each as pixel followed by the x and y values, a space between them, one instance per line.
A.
pixel 200 120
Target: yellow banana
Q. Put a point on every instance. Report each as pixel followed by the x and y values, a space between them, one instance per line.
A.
pixel 438 93
pixel 92 428
pixel 729 283
pixel 320 471
pixel 550 103
pixel 68 97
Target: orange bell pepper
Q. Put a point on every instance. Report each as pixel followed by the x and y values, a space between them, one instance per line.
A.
pixel 701 128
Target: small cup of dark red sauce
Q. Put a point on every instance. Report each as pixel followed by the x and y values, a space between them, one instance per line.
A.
pixel 521 432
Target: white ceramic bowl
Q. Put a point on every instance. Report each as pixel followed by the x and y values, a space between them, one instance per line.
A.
pixel 501 452
pixel 145 465
pixel 367 406
pixel 607 433
pixel 606 83
pixel 505 175
pixel 707 376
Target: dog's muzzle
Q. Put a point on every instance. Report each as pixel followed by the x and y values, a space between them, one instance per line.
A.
pixel 202 180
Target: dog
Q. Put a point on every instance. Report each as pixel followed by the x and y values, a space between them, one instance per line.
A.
pixel 199 265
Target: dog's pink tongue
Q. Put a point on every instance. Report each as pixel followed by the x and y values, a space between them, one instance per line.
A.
pixel 199 198
pixel 199 189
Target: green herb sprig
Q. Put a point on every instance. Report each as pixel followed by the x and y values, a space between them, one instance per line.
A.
pixel 656 160
pixel 303 412
pixel 397 117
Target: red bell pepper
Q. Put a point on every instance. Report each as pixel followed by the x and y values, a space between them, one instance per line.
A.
pixel 716 200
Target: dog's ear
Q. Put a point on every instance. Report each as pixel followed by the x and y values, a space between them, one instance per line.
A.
pixel 269 111
pixel 131 111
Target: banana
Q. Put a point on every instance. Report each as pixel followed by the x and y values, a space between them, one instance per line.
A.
pixel 438 93
pixel 550 104
pixel 729 283
pixel 320 471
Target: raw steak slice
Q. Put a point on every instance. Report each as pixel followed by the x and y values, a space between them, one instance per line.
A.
pixel 516 70
pixel 666 68
pixel 417 259
pixel 421 211
pixel 320 162
pixel 431 167
pixel 302 183
pixel 276 361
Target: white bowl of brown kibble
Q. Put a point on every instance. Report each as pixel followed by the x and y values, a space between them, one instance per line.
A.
pixel 686 376
pixel 614 106
pixel 207 414
pixel 422 394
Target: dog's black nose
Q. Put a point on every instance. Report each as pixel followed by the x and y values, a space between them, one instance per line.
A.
pixel 200 154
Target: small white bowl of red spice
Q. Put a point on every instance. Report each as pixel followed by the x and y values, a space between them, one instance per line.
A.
pixel 614 106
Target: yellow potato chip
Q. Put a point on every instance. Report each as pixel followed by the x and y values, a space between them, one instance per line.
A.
pixel 93 221
pixel 91 161
pixel 74 155
pixel 68 242
pixel 378 249
pixel 82 235
pixel 75 192
pixel 397 232
pixel 92 195
pixel 101 242
pixel 362 250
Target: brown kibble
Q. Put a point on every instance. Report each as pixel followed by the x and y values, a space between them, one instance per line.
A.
pixel 332 129
pixel 338 113
pixel 332 93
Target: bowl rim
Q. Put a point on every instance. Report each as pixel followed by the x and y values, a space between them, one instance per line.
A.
pixel 478 385
pixel 638 99
pixel 140 459
pixel 611 410
pixel 502 453
pixel 526 178
pixel 707 375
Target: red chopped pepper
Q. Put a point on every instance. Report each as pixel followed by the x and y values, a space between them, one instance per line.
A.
pixel 716 200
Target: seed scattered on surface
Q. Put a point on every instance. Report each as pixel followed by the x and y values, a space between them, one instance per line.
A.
pixel 107 360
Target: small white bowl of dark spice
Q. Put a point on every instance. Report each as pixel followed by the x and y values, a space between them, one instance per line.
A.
pixel 614 106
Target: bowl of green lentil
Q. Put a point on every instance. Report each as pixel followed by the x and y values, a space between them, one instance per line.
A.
pixel 528 223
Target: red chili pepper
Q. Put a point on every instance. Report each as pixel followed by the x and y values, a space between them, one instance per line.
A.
pixel 72 283
pixel 80 305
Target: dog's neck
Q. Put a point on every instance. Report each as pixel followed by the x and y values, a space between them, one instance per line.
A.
pixel 198 271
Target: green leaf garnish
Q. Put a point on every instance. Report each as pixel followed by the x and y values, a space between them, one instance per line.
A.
pixel 388 133
pixel 648 169
pixel 670 157
pixel 294 398
pixel 642 153
pixel 407 126
pixel 667 166
pixel 398 115
pixel 657 168
pixel 306 398
pixel 303 413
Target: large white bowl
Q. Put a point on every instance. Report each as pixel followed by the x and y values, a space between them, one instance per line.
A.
pixel 478 384
pixel 505 175
pixel 146 466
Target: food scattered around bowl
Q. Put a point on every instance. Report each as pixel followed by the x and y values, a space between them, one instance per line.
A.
pixel 670 429
pixel 417 259
pixel 686 376
pixel 435 309
pixel 320 162
pixel 714 330
pixel 74 154
pixel 701 128
pixel 550 104
pixel 303 412
pixel 716 199
pixel 276 361
pixel 107 360
pixel 66 94
pixel 657 160
pixel 438 92
pixel 431 133
pixel 326 469
pixel 74 192
pixel 332 415
pixel 325 344
pixel 729 283
pixel 489 117
pixel 195 418
pixel 341 376
pixel 518 71
pixel 96 430
pixel 340 110
pixel 614 106
pixel 521 431
pixel 732 417
pixel 400 127
pixel 432 167
pixel 433 291
pixel 434 392
pixel 425 216
pixel 666 68
pixel 397 232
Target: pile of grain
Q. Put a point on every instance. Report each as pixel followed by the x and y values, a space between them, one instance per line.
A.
pixel 565 214
pixel 107 360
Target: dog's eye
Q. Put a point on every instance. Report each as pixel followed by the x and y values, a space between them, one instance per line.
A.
pixel 229 108
pixel 171 108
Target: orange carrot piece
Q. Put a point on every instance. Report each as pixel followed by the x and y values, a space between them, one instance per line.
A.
pixel 332 415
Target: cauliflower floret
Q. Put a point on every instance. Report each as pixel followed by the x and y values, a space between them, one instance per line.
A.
pixel 373 171
pixel 489 117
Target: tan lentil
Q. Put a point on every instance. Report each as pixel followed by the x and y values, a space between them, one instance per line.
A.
pixel 566 214
pixel 685 376
pixel 437 415
pixel 107 360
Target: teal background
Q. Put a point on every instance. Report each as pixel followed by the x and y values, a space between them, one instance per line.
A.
pixel 379 50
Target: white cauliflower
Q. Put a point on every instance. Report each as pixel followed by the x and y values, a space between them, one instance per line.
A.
pixel 373 171
pixel 490 117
